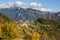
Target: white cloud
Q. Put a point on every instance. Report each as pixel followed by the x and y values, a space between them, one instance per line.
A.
pixel 33 5
pixel 18 3
pixel 45 9
pixel 6 5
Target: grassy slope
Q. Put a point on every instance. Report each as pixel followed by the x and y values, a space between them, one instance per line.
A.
pixel 46 28
pixel 50 27
pixel 4 18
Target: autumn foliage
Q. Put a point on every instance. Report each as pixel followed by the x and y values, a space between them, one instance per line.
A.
pixel 35 36
pixel 8 30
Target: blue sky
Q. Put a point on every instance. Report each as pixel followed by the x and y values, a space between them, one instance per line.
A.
pixel 52 4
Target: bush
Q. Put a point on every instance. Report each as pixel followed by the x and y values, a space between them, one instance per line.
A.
pixel 9 30
pixel 35 36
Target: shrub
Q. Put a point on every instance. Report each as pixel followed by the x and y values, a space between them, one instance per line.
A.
pixel 9 30
pixel 35 36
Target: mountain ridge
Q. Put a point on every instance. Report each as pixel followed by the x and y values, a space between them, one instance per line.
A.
pixel 18 13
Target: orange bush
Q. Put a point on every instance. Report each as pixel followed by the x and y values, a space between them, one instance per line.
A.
pixel 35 36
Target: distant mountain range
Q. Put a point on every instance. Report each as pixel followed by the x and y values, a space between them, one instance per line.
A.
pixel 18 13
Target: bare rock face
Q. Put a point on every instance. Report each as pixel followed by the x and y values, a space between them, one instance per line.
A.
pixel 55 16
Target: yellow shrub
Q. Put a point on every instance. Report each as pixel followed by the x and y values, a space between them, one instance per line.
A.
pixel 9 30
pixel 35 36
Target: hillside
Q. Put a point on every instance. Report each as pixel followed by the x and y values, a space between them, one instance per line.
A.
pixel 50 28
pixel 4 18
pixel 40 29
pixel 29 19
pixel 7 28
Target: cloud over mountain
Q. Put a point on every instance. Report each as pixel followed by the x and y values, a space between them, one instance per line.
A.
pixel 45 9
pixel 34 4
pixel 25 5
